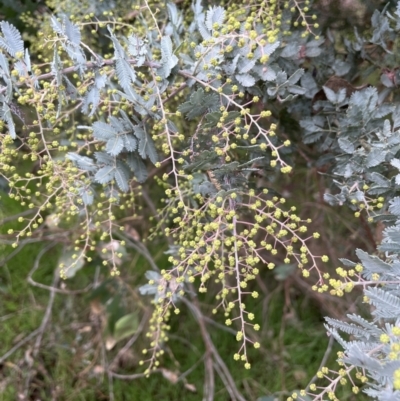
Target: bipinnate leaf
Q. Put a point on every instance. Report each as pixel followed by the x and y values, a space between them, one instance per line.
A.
pixel 102 130
pixel 246 80
pixel 121 178
pixel 168 59
pixel 5 115
pixel 146 146
pixel 130 142
pixel 11 41
pixel 147 149
pixel 115 145
pixel 105 174
pixel 215 15
pixel 104 158
pixel 122 175
pixel 199 103
pixel 295 77
pixel 72 31
pixel 83 162
pixel 87 195
pixel 125 73
pixel 136 164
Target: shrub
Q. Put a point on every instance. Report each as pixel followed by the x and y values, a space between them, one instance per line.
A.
pixel 196 98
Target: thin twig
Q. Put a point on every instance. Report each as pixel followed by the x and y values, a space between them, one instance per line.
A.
pixel 224 380
pixel 153 208
pixel 47 314
pixel 187 341
pixel 15 216
pixel 10 315
pixel 230 386
pixel 110 386
pixel 11 254
pixel 47 287
pixel 209 382
pixel 219 325
pixel 176 91
pixel 19 344
pixel 222 369
pixel 323 361
pixel 42 328
pixel 191 369
pixel 139 247
pixel 131 341
pixel 134 376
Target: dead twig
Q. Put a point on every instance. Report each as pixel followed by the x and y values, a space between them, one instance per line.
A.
pixel 217 363
pixel 323 361
pixel 139 247
pixel 43 325
pixel 47 315
pixel 47 287
pixel 15 216
pixel 19 345
pixel 134 376
pixel 209 381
